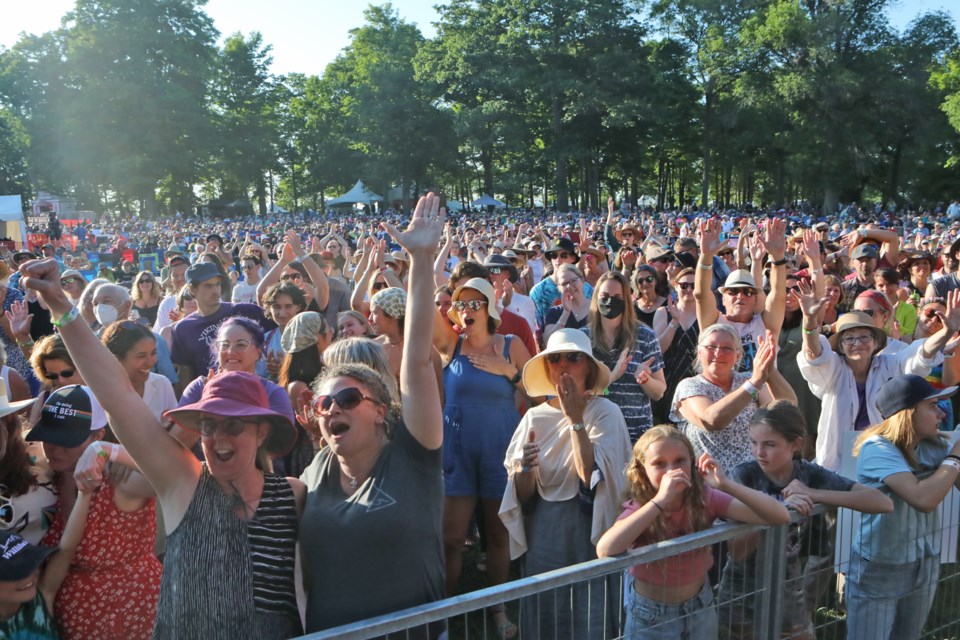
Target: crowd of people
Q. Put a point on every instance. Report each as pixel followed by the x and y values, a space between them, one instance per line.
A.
pixel 275 409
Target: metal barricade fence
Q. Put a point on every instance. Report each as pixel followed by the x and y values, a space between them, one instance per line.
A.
pixel 750 593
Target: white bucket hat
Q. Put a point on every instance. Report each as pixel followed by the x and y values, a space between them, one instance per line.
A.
pixel 536 379
pixel 484 287
pixel 7 407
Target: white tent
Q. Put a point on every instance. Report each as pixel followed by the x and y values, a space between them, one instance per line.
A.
pixel 487 201
pixel 11 215
pixel 359 194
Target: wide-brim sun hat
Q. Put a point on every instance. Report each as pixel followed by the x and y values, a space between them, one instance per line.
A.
pixel 502 262
pixel 238 394
pixel 536 378
pixel 484 287
pixel 619 232
pixel 856 320
pixel 7 407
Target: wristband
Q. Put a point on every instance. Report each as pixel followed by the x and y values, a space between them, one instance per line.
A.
pixel 26 344
pixel 96 446
pixel 816 271
pixel 114 452
pixel 66 318
pixel 516 377
pixel 750 388
pixel 779 263
pixel 808 331
pixel 952 457
pixel 862 232
pixel 705 267
pixel 953 464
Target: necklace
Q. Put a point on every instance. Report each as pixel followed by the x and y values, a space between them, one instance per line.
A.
pixel 354 482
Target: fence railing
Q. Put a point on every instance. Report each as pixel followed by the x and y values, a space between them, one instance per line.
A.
pixel 763 596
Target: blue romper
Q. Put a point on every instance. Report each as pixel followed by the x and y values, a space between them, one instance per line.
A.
pixel 479 418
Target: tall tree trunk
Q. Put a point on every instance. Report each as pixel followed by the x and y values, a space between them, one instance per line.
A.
pixel 486 162
pixel 709 98
pixel 563 189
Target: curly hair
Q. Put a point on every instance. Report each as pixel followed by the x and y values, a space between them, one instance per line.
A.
pixel 641 489
pixel 372 380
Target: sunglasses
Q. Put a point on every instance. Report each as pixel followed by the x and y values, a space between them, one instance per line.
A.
pixel 379 285
pixel 661 260
pixel 291 276
pixel 647 280
pixel 473 305
pixel 346 399
pixel 572 357
pixel 930 313
pixel 146 281
pixel 563 255
pixel 230 426
pixel 495 271
pixel 66 373
pixel 685 286
pixel 746 293
pixel 793 288
pixel 67 281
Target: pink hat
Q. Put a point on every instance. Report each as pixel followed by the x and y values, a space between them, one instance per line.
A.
pixel 238 394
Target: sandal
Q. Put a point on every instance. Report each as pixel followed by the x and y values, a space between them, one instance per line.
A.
pixel 506 630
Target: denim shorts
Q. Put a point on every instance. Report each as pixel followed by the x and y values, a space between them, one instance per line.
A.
pixel 889 600
pixel 695 619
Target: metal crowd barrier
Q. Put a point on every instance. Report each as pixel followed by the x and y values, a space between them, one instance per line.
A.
pixel 466 619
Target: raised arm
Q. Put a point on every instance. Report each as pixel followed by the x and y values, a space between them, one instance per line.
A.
pixel 59 564
pixel 168 466
pixel 440 263
pixel 707 312
pixel 272 276
pixel 774 242
pixel 317 277
pixel 812 308
pixel 418 383
pixel 951 324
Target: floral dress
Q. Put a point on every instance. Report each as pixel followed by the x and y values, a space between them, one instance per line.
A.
pixel 112 587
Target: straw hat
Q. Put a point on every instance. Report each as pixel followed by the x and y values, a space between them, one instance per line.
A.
pixel 536 379
pixel 629 227
pixel 857 320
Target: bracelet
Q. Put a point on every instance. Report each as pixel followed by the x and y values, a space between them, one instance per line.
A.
pixel 816 271
pixel 953 464
pixel 809 331
pixel 862 232
pixel 705 267
pixel 516 377
pixel 751 389
pixel 657 505
pixel 114 452
pixel 26 344
pixel 952 457
pixel 66 318
pixel 947 356
pixel 96 446
pixel 779 263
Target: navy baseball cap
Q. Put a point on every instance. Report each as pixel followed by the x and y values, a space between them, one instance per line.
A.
pixel 906 392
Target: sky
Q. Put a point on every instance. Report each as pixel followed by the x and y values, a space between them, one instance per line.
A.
pixel 308 34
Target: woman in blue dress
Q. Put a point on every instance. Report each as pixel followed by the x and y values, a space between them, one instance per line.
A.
pixel 481 378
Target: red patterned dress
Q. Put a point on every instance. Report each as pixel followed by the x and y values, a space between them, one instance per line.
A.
pixel 113 585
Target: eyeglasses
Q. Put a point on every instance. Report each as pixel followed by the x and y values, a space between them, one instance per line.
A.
pixel 379 285
pixel 346 399
pixel 473 305
pixel 572 357
pixel 715 348
pixel 291 276
pixel 852 340
pixel 570 282
pixel 66 373
pixel 685 286
pixel 230 426
pixel 746 293
pixel 239 346
pixel 647 280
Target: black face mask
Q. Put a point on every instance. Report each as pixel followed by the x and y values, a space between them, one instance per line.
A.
pixel 611 307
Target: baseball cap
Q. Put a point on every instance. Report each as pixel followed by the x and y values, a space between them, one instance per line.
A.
pixel 906 392
pixel 202 271
pixel 19 558
pixel 69 415
pixel 865 251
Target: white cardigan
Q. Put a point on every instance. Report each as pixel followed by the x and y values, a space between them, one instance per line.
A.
pixel 832 381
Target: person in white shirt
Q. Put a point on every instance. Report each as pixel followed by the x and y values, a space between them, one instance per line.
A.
pixel 503 274
pixel 246 291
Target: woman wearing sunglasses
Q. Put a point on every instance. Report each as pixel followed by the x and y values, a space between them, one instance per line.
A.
pixel 371 531
pixel 565 482
pixel 481 381
pixel 847 371
pixel 219 514
pixel 651 292
pixel 146 294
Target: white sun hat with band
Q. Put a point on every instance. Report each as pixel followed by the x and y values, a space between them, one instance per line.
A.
pixel 536 378
pixel 484 287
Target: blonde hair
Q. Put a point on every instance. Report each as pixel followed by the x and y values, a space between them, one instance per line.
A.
pixel 642 490
pixel 900 431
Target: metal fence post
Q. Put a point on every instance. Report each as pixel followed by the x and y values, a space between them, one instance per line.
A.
pixel 772 576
